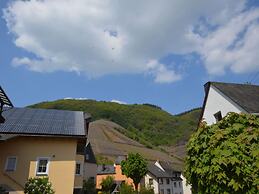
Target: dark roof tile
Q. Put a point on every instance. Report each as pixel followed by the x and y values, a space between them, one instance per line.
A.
pixel 245 95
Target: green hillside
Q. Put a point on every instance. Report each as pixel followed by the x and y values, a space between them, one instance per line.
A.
pixel 146 123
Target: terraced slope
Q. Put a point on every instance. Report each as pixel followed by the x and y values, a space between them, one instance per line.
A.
pixel 108 143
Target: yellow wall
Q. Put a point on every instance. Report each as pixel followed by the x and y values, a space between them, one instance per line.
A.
pixel 62 153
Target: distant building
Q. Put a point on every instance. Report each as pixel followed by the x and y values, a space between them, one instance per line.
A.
pixel 43 143
pixel 103 171
pixel 222 98
pixel 163 178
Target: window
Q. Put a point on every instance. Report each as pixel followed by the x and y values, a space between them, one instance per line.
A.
pixel 10 165
pixel 78 168
pixel 160 181
pixel 150 181
pixel 168 181
pixel 218 116
pixel 162 191
pixel 168 191
pixel 42 166
pixel 175 184
pixel 179 184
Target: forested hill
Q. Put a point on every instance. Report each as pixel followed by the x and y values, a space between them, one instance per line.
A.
pixel 146 123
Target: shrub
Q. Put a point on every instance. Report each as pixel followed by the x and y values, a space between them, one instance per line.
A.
pixel 89 187
pixel 126 189
pixel 108 184
pixel 146 190
pixel 38 186
pixel 2 191
pixel 224 157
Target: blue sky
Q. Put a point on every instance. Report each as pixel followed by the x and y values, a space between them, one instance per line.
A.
pixel 161 54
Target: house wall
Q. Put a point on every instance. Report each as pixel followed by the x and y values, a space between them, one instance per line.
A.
pixel 90 170
pixel 155 185
pixel 61 152
pixel 217 101
pixel 186 188
pixel 178 189
pixel 79 178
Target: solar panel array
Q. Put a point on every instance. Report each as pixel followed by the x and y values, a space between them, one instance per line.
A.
pixel 4 100
pixel 43 121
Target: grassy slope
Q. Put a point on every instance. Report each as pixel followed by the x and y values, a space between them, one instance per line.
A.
pixel 146 124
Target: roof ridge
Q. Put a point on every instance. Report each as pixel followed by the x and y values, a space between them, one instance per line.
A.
pixel 232 83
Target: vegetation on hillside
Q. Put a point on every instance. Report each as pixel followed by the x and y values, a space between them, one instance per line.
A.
pixel 143 122
pixel 224 157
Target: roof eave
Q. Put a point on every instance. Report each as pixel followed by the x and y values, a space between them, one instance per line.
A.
pixel 46 135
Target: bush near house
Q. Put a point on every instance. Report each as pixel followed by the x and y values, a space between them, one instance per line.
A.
pixel 38 186
pixel 89 187
pixel 2 191
pixel 224 157
pixel 107 185
pixel 128 189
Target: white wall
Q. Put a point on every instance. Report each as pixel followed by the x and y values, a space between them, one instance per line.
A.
pixel 186 188
pixel 155 183
pixel 217 101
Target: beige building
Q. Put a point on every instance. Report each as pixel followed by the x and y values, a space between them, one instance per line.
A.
pixel 43 143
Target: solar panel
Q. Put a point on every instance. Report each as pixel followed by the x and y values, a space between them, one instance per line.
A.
pixel 4 100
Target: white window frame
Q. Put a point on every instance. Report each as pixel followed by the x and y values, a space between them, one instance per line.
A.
pixel 81 168
pixel 47 168
pixel 6 163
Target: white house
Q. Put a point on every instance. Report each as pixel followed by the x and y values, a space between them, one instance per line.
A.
pixel 163 179
pixel 222 98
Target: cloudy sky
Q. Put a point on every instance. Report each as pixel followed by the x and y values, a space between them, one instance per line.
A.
pixel 137 51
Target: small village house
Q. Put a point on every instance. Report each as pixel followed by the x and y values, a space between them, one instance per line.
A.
pixel 43 143
pixel 222 98
pixel 163 178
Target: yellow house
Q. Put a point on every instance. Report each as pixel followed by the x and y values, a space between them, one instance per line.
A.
pixel 43 143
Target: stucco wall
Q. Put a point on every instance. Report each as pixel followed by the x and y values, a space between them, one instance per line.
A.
pixel 155 185
pixel 186 188
pixel 90 170
pixel 61 151
pixel 79 178
pixel 217 101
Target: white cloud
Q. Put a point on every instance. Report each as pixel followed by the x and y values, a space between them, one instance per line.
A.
pixel 109 37
pixel 70 98
pixel 233 46
pixel 161 73
pixel 118 101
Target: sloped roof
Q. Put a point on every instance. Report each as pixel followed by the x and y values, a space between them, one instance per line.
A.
pixel 157 172
pixel 105 169
pixel 245 95
pixel 168 167
pixel 119 159
pixel 43 122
